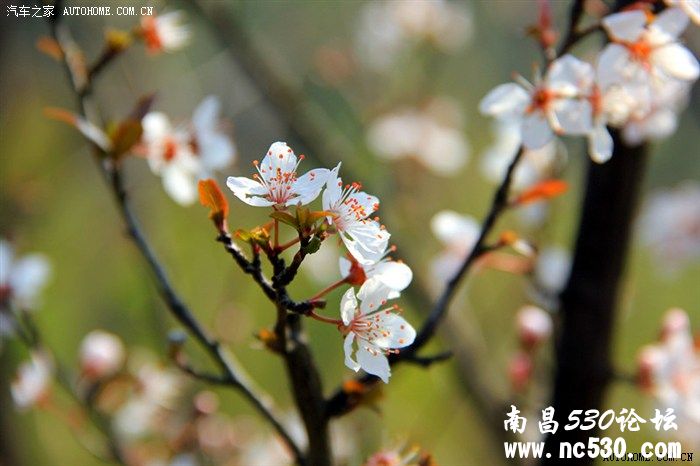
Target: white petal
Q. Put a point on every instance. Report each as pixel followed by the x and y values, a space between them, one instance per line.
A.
pixel 692 9
pixel 570 76
pixel 309 186
pixel 672 22
pixel 215 150
pixel 614 66
pixel 395 275
pixel 374 362
pixel 600 144
pixel 574 116
pixel 279 157
pixel 206 115
pixel 399 333
pixel 334 189
pixel 29 275
pixel 248 191
pixel 452 228
pixel 94 134
pixel 367 202
pixel 348 306
pixel 373 294
pixel 506 100
pixel 536 131
pixel 347 348
pixel 344 266
pixel 156 126
pixel 627 26
pixel 180 185
pixel 444 150
pixel 366 241
pixel 676 61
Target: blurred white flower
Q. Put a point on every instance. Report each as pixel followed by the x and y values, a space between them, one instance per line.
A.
pixel 364 238
pixel 535 165
pixel 276 183
pixel 670 372
pixel 557 103
pixel 101 354
pixel 670 225
pixel 534 326
pixel 21 279
pixel 375 327
pixel 389 28
pixel 323 263
pixel 552 270
pixel 33 381
pixel 165 32
pixel 184 154
pixel 458 233
pixel 689 7
pixel 645 51
pixel 394 275
pixel 432 135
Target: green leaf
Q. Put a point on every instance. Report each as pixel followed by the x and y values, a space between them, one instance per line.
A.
pixel 285 217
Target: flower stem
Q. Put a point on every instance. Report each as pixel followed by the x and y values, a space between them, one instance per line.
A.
pixel 327 320
pixel 328 289
pixel 277 234
pixel 287 245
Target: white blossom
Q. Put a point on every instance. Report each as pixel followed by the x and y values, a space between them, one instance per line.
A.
pixel 458 233
pixel 101 354
pixel 393 274
pixel 670 371
pixel 431 134
pixel 276 183
pixel 366 239
pixel 183 154
pixel 165 32
pixel 33 381
pixel 374 328
pixel 21 279
pixel 557 103
pixel 387 29
pixel 670 225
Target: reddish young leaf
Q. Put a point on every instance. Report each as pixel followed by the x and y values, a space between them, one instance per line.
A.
pixel 541 191
pixel 50 47
pixel 210 195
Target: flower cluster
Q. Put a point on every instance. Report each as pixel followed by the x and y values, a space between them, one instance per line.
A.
pixel 641 80
pixel 431 134
pixel 388 28
pixel 164 32
pixel 183 154
pixel 374 328
pixel 670 371
pixel 534 327
pixel 670 225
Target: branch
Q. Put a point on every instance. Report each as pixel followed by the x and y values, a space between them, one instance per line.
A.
pixel 178 309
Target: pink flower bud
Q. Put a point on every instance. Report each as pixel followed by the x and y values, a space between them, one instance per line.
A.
pixel 534 326
pixel 101 355
pixel 675 322
pixel 520 371
pixel 651 358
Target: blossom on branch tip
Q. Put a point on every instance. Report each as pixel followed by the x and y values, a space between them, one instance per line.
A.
pixel 165 32
pixel 375 327
pixel 534 326
pixel 184 154
pixel 555 103
pixel 366 239
pixel 276 183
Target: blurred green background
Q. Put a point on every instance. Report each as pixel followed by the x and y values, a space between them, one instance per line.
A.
pixel 53 201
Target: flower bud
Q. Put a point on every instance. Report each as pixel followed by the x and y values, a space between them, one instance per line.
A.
pixel 101 355
pixel 534 326
pixel 520 371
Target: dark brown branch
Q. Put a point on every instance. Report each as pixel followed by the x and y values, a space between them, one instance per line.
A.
pixel 588 302
pixel 178 309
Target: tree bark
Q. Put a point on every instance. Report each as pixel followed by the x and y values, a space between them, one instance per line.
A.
pixel 583 365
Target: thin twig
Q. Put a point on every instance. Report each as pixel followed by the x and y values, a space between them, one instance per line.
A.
pixel 180 311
